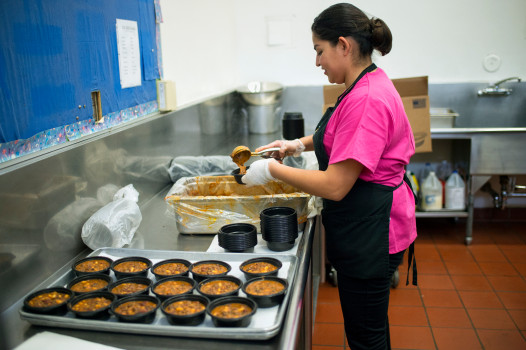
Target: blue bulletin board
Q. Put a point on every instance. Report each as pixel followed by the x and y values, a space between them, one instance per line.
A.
pixel 54 53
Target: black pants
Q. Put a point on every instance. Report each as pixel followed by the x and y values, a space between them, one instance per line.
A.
pixel 364 305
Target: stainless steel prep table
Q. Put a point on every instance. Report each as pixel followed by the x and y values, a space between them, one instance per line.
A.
pixel 294 323
pixel 138 147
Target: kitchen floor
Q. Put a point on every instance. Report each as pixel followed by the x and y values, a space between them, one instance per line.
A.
pixel 468 297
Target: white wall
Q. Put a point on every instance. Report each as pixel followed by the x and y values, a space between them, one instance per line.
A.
pixel 198 39
pixel 211 46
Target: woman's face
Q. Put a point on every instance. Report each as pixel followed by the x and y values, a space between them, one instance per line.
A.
pixel 330 59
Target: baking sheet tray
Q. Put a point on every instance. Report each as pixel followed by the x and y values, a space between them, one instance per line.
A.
pixel 266 322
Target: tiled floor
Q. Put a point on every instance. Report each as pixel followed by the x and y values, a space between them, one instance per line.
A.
pixel 468 297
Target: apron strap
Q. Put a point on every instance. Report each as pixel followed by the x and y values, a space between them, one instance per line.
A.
pixel 411 254
pixel 411 259
pixel 406 179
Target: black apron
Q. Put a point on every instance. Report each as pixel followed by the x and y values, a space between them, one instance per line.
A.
pixel 357 227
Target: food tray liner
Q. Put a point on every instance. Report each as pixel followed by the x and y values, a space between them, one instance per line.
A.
pixel 265 323
pixel 203 204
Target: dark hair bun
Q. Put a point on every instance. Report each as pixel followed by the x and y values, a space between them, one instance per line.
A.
pixel 381 39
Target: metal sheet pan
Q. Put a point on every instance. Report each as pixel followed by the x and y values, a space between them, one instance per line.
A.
pixel 265 323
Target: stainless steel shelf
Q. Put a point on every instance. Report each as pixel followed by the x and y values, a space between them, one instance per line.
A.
pixel 444 213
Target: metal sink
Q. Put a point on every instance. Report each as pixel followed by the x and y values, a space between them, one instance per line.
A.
pixel 501 113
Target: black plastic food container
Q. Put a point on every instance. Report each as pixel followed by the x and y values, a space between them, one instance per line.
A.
pixel 221 278
pixel 102 313
pixel 187 279
pixel 200 277
pixel 95 276
pixel 120 274
pixel 243 321
pixel 185 320
pixel 167 261
pixel 56 309
pixel 83 273
pixel 279 227
pixel 251 275
pixel 270 300
pixel 280 246
pixel 146 317
pixel 238 176
pixel 237 237
pixel 293 125
pixel 138 279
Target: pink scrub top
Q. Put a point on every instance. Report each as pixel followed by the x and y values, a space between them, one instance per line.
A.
pixel 370 126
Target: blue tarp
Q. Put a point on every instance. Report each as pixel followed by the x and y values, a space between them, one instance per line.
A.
pixel 54 53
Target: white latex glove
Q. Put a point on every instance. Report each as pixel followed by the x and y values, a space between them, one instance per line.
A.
pixel 258 173
pixel 295 147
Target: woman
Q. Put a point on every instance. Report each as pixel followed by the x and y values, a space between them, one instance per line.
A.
pixel 362 145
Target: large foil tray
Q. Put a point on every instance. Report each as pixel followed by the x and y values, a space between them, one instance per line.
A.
pixel 265 323
pixel 206 203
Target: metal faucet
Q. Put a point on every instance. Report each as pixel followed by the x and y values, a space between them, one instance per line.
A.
pixel 495 90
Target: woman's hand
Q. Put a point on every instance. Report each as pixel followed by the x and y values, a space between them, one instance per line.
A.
pixel 258 173
pixel 286 147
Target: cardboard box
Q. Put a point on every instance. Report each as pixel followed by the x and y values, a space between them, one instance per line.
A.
pixel 414 93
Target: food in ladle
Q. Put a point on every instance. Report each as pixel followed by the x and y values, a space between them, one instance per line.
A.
pixel 240 155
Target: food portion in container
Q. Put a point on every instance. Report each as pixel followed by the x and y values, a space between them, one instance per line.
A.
pixel 91 304
pixel 232 311
pixel 134 307
pixel 130 286
pixel 215 287
pixel 263 266
pixel 91 265
pixel 140 308
pixel 185 307
pixel 171 286
pixel 209 268
pixel 259 267
pixel 52 298
pixel 48 301
pixel 89 283
pixel 264 287
pixel 171 267
pixel 185 310
pixel 266 291
pixel 131 266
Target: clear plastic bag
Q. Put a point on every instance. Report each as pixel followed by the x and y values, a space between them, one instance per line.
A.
pixel 206 203
pixel 186 166
pixel 115 224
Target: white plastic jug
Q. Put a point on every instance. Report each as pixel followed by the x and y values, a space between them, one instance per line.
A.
pixel 431 193
pixel 455 192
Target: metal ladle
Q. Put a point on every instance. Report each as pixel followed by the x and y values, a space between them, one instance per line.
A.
pixel 241 154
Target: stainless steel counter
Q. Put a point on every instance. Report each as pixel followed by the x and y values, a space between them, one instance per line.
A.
pixel 43 192
pixel 486 151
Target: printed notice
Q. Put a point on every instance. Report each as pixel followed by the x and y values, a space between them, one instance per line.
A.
pixel 129 53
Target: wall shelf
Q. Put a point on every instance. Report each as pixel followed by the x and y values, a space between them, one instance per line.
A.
pixel 444 213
